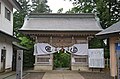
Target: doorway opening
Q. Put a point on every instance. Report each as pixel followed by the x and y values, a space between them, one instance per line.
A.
pixel 3 59
pixel 62 60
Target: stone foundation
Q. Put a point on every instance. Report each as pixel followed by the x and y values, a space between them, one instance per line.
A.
pixel 79 67
pixel 42 67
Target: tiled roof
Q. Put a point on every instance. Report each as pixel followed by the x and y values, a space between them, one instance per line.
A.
pixel 61 22
pixel 115 28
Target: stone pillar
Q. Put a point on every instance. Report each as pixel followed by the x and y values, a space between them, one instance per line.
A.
pixel 51 40
pixel 51 61
pixel 19 65
pixel 113 61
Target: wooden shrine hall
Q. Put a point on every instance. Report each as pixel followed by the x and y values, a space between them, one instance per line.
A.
pixel 53 32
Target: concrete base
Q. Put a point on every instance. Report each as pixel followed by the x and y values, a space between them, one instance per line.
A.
pixel 79 67
pixel 42 67
pixel 6 70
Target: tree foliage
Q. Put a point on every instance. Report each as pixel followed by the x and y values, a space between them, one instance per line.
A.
pixel 39 6
pixel 60 10
pixel 107 10
pixel 18 16
pixel 82 6
pixel 61 59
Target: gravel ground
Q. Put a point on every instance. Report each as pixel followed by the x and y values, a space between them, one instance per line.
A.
pixel 95 75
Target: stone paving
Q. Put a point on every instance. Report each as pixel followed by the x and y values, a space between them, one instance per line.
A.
pixel 34 75
pixel 95 75
pixel 5 75
pixel 61 74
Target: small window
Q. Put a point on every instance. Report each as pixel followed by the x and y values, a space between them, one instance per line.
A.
pixel 7 14
pixel 0 7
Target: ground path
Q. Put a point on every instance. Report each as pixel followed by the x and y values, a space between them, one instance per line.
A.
pixel 62 75
pixel 58 74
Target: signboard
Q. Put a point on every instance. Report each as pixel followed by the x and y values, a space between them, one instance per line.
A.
pixel 118 58
pixel 96 58
pixel 117 46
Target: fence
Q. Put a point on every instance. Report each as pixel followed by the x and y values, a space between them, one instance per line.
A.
pixel 107 63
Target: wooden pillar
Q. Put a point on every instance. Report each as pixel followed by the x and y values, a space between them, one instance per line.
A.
pixel 51 40
pixel 113 61
pixel 73 40
pixel 36 41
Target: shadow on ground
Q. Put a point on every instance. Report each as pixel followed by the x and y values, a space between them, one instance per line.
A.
pixel 95 75
pixel 34 75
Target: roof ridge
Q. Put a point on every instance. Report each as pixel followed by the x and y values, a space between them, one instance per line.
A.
pixel 59 15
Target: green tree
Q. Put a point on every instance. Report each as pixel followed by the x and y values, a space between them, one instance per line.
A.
pixel 18 23
pixel 60 10
pixel 40 6
pixel 82 6
pixel 36 7
pixel 108 11
pixel 18 20
pixel 62 59
pixel 18 16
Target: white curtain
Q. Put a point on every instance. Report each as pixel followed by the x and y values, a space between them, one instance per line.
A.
pixel 45 48
pixel 79 49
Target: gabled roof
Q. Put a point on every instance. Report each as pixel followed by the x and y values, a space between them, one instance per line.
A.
pixel 115 28
pixel 60 22
pixel 15 4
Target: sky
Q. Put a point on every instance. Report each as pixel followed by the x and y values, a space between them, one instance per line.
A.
pixel 55 5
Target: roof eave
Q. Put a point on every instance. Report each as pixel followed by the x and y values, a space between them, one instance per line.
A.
pixel 17 46
pixel 33 32
pixel 9 36
pixel 107 35
pixel 59 30
pixel 15 4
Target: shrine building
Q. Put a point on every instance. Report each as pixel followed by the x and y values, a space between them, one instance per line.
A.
pixel 54 32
